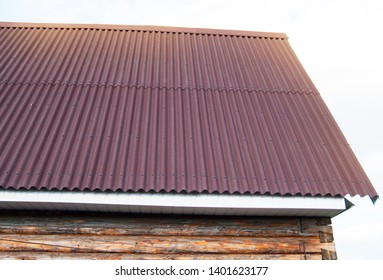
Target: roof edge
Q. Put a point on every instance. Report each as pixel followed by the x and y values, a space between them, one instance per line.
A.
pixel 150 28
pixel 201 204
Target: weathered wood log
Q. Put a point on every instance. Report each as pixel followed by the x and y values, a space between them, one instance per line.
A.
pixel 312 227
pixel 326 237
pixel 318 247
pixel 160 244
pixel 158 225
pixel 329 254
pixel 122 256
pixel 28 235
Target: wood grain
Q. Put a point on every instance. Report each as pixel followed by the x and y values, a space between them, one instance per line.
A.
pixel 157 244
pixel 124 256
pixel 136 225
pixel 66 235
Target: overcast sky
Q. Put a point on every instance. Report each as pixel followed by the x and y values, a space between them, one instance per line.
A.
pixel 339 42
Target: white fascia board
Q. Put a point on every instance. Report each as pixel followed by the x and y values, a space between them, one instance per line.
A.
pixel 169 203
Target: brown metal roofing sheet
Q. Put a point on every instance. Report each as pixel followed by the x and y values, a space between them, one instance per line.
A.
pixel 121 109
pixel 146 28
pixel 144 58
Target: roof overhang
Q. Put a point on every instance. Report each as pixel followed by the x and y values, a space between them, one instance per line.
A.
pixel 172 203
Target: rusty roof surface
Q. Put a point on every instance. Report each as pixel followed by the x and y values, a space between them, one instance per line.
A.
pixel 146 108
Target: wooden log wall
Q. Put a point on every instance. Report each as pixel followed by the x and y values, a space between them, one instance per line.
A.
pixel 63 235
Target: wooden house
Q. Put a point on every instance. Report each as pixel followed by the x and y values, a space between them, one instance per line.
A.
pixel 146 142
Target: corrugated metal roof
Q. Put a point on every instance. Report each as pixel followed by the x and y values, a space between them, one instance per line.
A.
pixel 138 58
pixel 165 109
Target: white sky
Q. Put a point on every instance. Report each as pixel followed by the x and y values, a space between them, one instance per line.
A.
pixel 339 42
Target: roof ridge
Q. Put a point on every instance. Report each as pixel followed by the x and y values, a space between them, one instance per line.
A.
pixel 146 28
pixel 278 91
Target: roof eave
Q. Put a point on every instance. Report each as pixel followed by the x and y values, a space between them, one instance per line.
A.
pixel 170 203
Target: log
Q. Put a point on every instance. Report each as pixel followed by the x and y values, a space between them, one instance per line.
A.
pixel 329 254
pixel 312 226
pixel 123 256
pixel 68 235
pixel 326 237
pixel 159 244
pixel 318 247
pixel 157 225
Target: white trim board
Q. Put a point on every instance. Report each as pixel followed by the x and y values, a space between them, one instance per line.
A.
pixel 169 203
